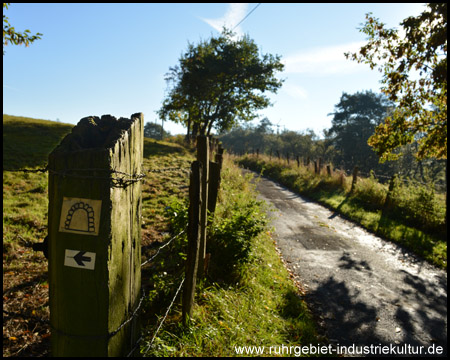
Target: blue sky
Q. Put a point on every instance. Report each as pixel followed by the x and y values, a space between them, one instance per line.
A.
pixel 96 59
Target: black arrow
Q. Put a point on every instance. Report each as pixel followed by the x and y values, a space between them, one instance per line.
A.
pixel 79 258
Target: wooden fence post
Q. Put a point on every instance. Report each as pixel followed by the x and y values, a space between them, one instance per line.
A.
pixel 94 227
pixel 195 200
pixel 355 176
pixel 213 186
pixel 388 201
pixel 203 157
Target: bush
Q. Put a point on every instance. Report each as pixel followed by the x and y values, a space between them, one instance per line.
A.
pixel 231 238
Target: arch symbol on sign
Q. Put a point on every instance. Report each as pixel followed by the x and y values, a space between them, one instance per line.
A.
pixel 80 216
pixel 86 214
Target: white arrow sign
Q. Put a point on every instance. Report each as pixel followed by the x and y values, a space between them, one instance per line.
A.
pixel 79 259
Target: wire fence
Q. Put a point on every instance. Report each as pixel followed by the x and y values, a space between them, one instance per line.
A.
pixel 134 314
pixel 122 179
pixel 404 178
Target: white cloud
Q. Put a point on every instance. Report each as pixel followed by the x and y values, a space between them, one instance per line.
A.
pixel 295 91
pixel 235 13
pixel 324 60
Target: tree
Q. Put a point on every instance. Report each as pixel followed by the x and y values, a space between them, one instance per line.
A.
pixel 155 131
pixel 421 104
pixel 354 120
pixel 10 35
pixel 218 83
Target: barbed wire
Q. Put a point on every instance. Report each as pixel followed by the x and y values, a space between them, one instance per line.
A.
pixel 133 315
pixel 164 318
pixel 123 181
pixel 162 247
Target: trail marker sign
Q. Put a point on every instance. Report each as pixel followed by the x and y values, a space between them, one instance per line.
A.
pixel 94 237
pixel 79 259
pixel 80 216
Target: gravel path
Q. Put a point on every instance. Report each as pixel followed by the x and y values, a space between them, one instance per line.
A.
pixel 365 291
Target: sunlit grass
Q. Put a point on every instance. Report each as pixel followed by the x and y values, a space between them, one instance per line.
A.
pixel 415 218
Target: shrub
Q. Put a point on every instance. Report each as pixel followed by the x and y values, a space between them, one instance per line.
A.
pixel 232 237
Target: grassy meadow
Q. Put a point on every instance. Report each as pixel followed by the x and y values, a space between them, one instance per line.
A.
pixel 251 299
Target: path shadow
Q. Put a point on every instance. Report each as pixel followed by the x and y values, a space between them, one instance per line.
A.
pixel 351 321
pixel 348 320
pixel 347 262
pixel 429 302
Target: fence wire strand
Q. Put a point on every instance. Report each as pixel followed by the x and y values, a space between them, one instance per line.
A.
pixel 162 247
pixel 164 318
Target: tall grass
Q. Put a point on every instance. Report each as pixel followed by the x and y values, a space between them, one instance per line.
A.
pixel 247 298
pixel 414 215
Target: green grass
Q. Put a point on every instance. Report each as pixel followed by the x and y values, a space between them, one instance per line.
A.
pixel 415 218
pixel 251 303
pixel 257 304
pixel 27 142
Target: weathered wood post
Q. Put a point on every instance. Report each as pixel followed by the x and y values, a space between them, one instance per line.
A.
pixel 388 201
pixel 213 186
pixel 195 200
pixel 203 157
pixel 94 227
pixel 354 179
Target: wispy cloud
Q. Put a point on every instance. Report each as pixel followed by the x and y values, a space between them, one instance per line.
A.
pixel 295 91
pixel 324 60
pixel 235 13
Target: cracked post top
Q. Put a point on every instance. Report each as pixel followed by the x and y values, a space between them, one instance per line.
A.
pixel 94 132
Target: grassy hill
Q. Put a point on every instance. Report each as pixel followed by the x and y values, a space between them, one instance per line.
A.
pixel 253 304
pixel 27 142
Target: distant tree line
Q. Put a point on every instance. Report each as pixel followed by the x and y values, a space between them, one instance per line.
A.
pixel 344 144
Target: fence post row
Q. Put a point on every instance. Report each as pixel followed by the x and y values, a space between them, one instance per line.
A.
pixel 94 224
pixel 200 204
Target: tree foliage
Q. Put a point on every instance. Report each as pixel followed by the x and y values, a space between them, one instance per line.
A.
pixel 10 35
pixel 218 83
pixel 155 131
pixel 414 71
pixel 355 118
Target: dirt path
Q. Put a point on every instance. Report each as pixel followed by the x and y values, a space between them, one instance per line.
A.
pixel 364 289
